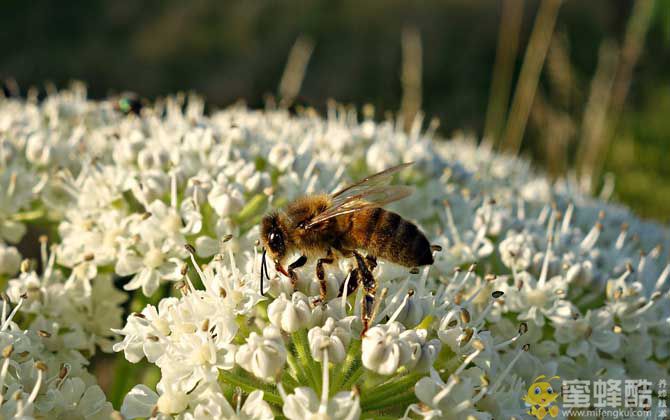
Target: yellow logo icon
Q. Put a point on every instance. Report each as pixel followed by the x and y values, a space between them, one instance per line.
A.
pixel 540 398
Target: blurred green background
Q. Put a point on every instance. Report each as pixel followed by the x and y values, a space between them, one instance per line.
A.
pixel 586 83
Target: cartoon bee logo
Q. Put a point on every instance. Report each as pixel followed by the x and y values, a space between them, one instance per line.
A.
pixel 540 398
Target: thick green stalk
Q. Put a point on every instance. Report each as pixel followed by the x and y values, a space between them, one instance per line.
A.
pixel 248 385
pixel 376 416
pixel 305 357
pixel 28 216
pixel 346 369
pixel 353 377
pixel 298 372
pixel 289 382
pixel 402 399
pixel 383 393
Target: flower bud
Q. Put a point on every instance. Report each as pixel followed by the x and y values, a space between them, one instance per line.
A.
pixel 10 260
pixel 226 199
pixel 172 402
pixel 580 273
pixel 290 315
pixel 414 311
pixel 264 356
pixel 387 347
pixel 429 353
pixel 333 336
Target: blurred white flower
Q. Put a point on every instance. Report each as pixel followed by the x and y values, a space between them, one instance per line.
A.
pixel 516 251
pixel 213 405
pixel 10 259
pixel 453 399
pixel 225 198
pixel 77 313
pixel 74 399
pixel 142 329
pixel 535 300
pixel 304 404
pixel 139 402
pixel 281 156
pixel 172 402
pixel 592 332
pixel 129 192
pixel 149 263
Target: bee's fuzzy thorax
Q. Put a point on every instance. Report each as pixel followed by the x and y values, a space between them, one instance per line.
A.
pixel 305 208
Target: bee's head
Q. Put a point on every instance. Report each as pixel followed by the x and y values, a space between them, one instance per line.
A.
pixel 274 236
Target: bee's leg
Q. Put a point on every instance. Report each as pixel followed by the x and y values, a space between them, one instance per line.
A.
pixel 370 287
pixel 371 262
pixel 321 274
pixel 291 269
pixel 352 284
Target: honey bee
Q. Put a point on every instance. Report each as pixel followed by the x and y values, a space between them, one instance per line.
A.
pixel 326 227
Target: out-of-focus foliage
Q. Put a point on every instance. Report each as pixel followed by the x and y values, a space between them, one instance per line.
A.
pixel 233 50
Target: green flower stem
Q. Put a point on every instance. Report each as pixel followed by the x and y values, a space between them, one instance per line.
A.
pixel 387 391
pixel 28 216
pixel 447 360
pixel 228 391
pixel 453 364
pixel 304 355
pixel 252 210
pixel 243 330
pixel 402 399
pixel 298 373
pixel 353 378
pixel 124 379
pixel 290 383
pixel 347 367
pixel 248 385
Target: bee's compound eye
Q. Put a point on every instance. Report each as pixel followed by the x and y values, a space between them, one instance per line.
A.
pixel 275 240
pixel 537 390
pixel 550 391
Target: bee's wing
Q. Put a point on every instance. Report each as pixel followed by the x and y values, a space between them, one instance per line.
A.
pixel 374 197
pixel 377 180
pixel 372 191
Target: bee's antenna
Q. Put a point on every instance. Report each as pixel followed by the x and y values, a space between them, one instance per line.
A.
pixel 264 269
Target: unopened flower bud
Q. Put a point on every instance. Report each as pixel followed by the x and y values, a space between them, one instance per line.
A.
pixel 387 347
pixel 332 337
pixel 290 315
pixel 263 355
pixel 10 260
pixel 172 402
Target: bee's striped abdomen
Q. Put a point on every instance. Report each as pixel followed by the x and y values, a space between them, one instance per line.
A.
pixel 386 235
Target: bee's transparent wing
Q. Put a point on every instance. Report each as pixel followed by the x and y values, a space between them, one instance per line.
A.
pixel 372 191
pixel 377 180
pixel 374 197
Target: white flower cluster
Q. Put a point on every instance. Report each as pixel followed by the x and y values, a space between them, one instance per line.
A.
pixel 73 313
pixel 530 277
pixel 37 382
